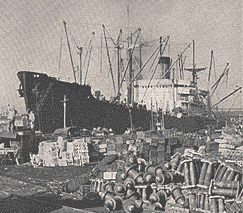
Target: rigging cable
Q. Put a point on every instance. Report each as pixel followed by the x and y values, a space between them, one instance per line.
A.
pixel 130 61
pixel 144 65
pixel 182 66
pixel 70 51
pixel 227 96
pixel 234 102
pixel 151 75
pixel 88 64
pixel 108 55
pixel 169 68
pixel 112 59
pixel 60 55
pixel 220 87
pixel 110 36
pixel 88 49
pixel 220 84
pixel 73 39
pixel 155 67
pixel 101 54
pixel 218 81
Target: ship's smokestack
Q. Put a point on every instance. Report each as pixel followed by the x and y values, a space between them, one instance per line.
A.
pixel 164 64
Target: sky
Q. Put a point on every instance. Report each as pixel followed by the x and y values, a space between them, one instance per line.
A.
pixel 32 35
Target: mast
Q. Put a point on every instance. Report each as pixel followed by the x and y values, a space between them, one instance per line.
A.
pixel 152 116
pixel 60 54
pixel 173 88
pixel 69 51
pixel 80 64
pixel 130 77
pixel 209 75
pixel 209 71
pixel 128 33
pixel 194 74
pixel 160 52
pixel 118 64
pixel 118 60
pixel 140 53
pixel 162 118
pixel 64 110
pixel 130 116
pixel 179 75
pixel 88 63
pixel 129 86
pixel 140 63
pixel 101 54
pixel 157 115
pixel 64 103
pixel 182 66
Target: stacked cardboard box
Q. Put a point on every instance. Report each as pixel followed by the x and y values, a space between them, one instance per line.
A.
pixel 62 152
pixel 99 144
pixel 225 149
pixel 211 146
pixel 80 151
pixel 141 143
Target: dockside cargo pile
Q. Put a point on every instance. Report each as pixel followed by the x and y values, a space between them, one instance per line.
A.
pixel 189 182
pixel 63 151
pixel 158 172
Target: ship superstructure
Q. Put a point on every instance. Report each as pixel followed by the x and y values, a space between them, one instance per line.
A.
pixel 169 92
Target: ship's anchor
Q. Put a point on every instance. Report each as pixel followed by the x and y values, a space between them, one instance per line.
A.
pixel 21 90
pixel 35 90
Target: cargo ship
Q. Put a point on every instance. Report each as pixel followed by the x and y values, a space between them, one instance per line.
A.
pixel 170 103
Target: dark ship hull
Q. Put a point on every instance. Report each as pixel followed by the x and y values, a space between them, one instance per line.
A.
pixel 44 95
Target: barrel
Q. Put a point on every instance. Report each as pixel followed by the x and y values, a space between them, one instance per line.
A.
pixel 178 196
pixel 227 184
pixel 225 192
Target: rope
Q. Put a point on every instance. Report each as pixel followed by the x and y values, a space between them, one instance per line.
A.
pixel 145 64
pixel 152 75
pixel 73 39
pixel 234 102
pixel 112 59
pixel 88 65
pixel 156 66
pixel 59 66
pixel 110 36
pixel 108 55
pixel 87 51
pixel 130 61
pixel 169 69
